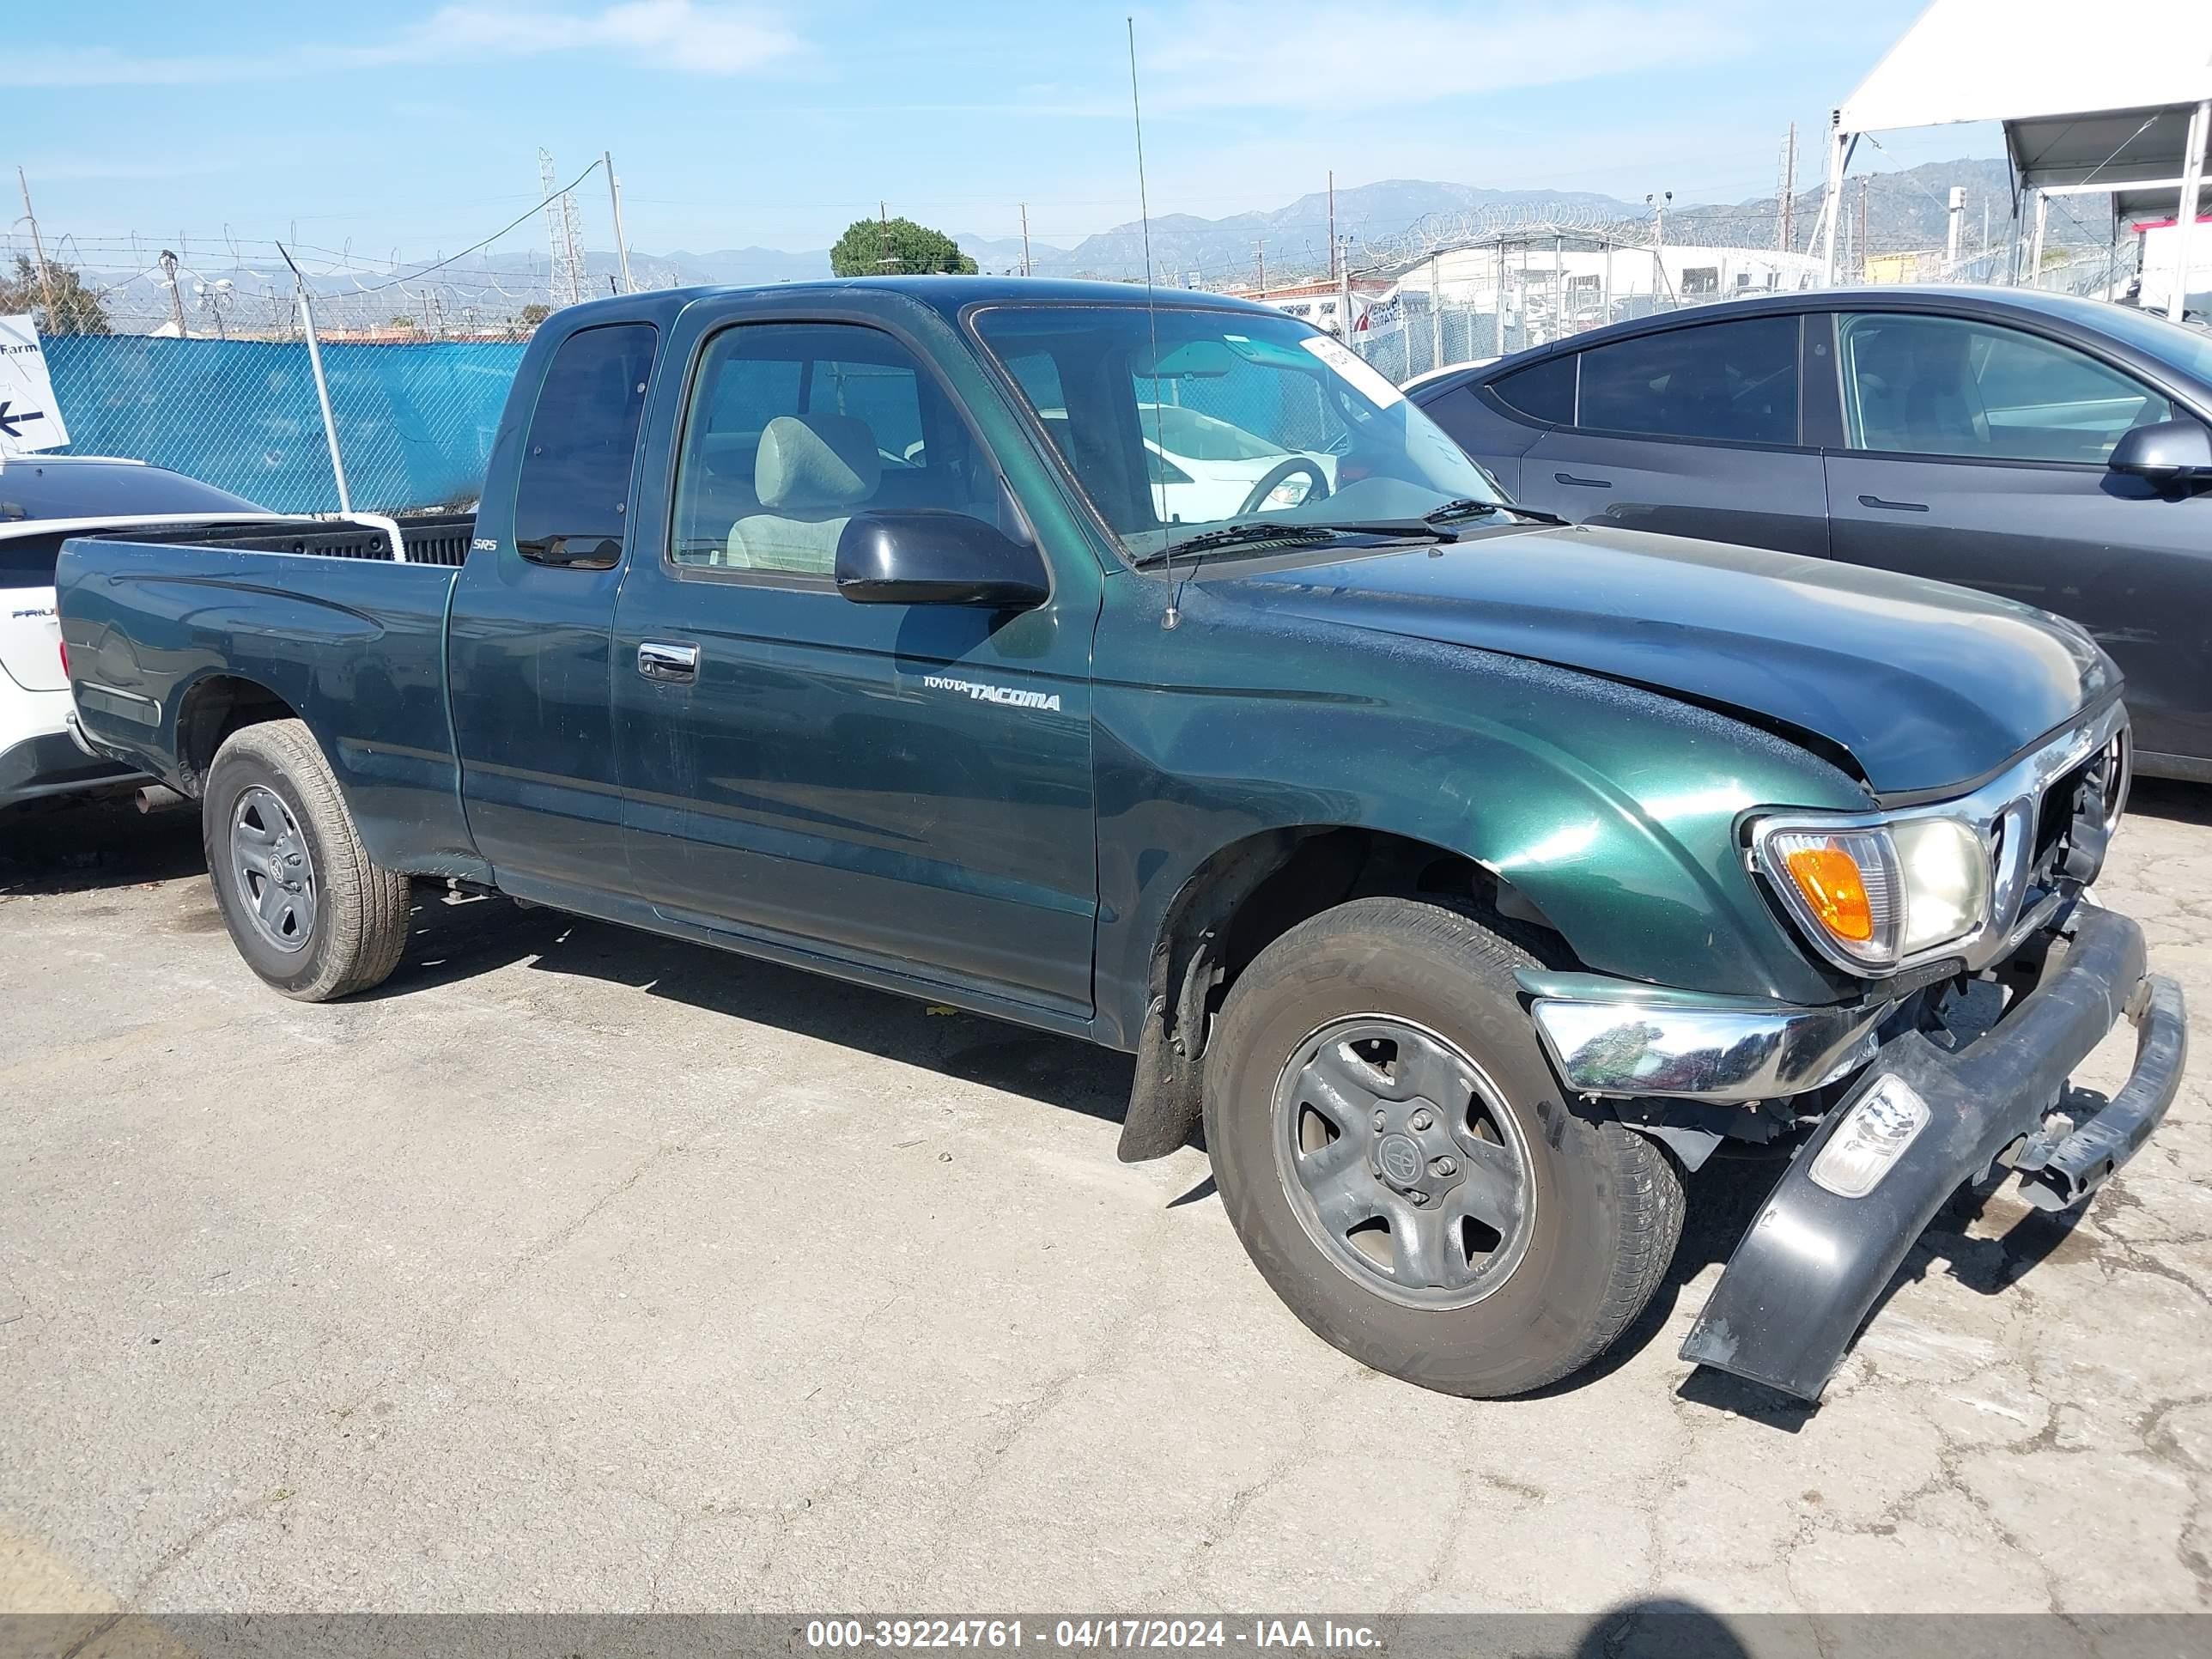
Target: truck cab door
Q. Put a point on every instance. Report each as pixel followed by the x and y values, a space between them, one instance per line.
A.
pixel 906 787
pixel 528 644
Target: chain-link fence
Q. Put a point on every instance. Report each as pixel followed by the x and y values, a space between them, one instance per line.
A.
pixel 200 362
pixel 414 424
pixel 1538 284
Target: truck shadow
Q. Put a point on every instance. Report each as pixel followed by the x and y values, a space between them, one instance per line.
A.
pixel 82 844
pixel 455 942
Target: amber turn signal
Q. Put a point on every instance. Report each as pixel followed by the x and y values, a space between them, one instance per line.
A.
pixel 1830 879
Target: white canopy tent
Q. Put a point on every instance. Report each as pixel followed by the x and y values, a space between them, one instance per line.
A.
pixel 2119 106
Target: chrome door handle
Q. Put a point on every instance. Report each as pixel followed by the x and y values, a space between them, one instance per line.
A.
pixel 673 664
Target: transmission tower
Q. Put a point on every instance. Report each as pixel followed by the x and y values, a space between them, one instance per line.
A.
pixel 567 283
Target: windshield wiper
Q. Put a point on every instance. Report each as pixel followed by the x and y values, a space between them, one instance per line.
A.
pixel 1468 507
pixel 1228 536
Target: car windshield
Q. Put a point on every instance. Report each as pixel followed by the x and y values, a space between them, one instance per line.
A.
pixel 2186 349
pixel 1177 421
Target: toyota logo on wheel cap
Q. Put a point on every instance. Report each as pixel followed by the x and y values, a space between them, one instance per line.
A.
pixel 1400 1159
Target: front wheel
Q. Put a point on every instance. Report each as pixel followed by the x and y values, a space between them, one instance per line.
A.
pixel 305 906
pixel 1402 1167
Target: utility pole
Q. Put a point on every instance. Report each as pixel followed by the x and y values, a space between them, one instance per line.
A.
pixel 1260 251
pixel 614 199
pixel 1342 258
pixel 1025 239
pixel 176 294
pixel 1951 230
pixel 2035 253
pixel 1866 184
pixel 883 236
pixel 1657 202
pixel 39 249
pixel 1332 224
pixel 1786 238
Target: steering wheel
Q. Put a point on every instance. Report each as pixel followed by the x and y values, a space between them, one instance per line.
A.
pixel 1288 468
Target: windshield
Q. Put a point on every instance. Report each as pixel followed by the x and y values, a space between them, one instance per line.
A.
pixel 2185 348
pixel 1178 421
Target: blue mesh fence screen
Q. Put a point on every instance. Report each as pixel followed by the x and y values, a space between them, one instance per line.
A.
pixel 415 423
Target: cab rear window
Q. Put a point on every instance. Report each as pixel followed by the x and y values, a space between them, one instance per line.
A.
pixel 573 496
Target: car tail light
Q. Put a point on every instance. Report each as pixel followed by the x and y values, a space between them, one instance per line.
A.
pixel 65 649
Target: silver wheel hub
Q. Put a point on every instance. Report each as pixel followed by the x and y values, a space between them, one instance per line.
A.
pixel 1402 1162
pixel 270 867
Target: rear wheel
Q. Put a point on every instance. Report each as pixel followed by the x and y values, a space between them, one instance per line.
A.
pixel 304 905
pixel 1402 1167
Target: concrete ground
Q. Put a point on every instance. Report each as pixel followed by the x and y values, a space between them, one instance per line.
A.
pixel 581 1270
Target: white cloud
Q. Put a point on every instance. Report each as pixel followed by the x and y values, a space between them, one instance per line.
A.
pixel 1311 55
pixel 702 39
pixel 697 36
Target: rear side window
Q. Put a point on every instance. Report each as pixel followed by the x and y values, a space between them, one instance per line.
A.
pixel 573 492
pixel 1733 382
pixel 1543 391
pixel 28 560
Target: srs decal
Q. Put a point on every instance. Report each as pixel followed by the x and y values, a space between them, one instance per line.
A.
pixel 1005 694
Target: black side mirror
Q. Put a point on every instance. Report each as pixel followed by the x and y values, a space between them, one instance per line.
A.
pixel 2164 450
pixel 927 556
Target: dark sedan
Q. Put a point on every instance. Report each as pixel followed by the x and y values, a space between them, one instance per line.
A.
pixel 2050 449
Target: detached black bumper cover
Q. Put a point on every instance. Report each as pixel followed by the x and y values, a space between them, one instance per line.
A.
pixel 1801 1281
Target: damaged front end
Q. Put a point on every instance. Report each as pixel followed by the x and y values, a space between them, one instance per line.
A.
pixel 1920 1093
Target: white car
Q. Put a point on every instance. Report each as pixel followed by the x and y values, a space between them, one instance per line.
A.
pixel 1206 469
pixel 45 500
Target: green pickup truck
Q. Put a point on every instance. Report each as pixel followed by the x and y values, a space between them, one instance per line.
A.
pixel 1144 668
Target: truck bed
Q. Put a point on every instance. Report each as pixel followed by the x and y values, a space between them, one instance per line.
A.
pixel 173 634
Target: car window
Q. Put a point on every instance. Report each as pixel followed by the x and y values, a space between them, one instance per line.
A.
pixel 1940 385
pixel 794 427
pixel 1542 392
pixel 27 560
pixel 573 491
pixel 1732 382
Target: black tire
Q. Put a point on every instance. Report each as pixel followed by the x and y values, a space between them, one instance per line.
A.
pixel 360 912
pixel 1607 1206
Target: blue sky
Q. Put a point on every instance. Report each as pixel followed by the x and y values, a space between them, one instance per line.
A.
pixel 416 127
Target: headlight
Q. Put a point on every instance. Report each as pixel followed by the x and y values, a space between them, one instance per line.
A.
pixel 1873 896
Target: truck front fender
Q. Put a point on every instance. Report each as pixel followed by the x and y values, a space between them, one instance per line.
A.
pixel 1612 809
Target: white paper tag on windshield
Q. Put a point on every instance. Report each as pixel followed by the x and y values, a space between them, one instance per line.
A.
pixel 1354 368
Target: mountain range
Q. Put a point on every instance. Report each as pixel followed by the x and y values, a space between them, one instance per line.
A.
pixel 1903 209
pixel 1387 225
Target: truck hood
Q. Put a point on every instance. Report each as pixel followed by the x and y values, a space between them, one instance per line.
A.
pixel 1923 686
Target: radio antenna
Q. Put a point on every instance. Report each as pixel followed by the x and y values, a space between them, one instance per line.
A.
pixel 1173 614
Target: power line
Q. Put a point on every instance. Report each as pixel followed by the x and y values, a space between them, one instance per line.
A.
pixel 475 247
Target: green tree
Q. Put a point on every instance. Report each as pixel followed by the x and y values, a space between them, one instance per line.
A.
pixel 534 314
pixel 879 248
pixel 77 308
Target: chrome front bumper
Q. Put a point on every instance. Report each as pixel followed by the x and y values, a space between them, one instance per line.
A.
pixel 1610 1038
